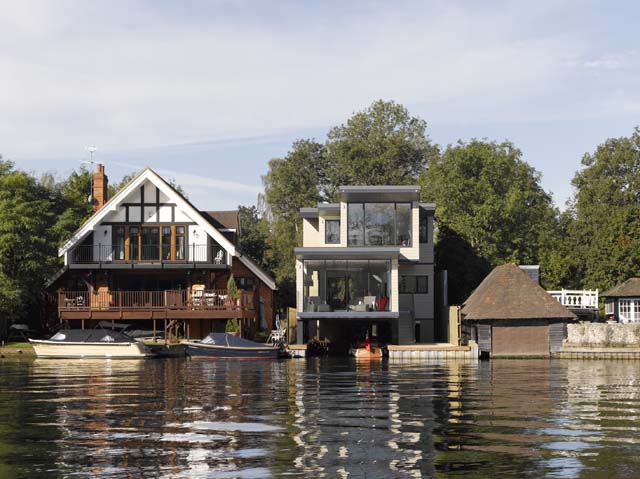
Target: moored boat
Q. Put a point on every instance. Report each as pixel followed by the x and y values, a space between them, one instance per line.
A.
pixel 89 343
pixel 364 353
pixel 227 346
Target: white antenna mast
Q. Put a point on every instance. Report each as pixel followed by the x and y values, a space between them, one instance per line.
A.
pixel 92 150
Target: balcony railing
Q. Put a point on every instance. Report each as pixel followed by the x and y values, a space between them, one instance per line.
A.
pixel 576 299
pixel 193 253
pixel 202 299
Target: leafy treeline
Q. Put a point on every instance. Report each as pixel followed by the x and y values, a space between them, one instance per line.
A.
pixel 491 207
pixel 36 216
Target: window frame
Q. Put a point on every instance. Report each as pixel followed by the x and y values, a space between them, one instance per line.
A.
pixel 326 231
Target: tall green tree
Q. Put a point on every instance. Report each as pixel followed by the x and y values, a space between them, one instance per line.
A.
pixel 27 242
pixel 606 213
pixel 254 232
pixel 292 182
pixel 490 207
pixel 381 145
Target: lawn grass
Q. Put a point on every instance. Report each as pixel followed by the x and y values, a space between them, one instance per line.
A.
pixel 18 345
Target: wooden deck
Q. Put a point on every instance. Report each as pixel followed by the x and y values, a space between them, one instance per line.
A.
pixel 147 305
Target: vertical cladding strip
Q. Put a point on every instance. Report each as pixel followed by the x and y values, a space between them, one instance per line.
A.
pixel 157 205
pixel 142 203
pixel 343 224
pixel 484 337
pixel 299 286
pixel 394 285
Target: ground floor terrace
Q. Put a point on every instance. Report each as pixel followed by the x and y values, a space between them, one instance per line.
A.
pixel 188 303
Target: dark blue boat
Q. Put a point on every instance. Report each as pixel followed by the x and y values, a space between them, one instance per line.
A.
pixel 227 346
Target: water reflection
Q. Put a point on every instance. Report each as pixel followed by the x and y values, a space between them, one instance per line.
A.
pixel 320 418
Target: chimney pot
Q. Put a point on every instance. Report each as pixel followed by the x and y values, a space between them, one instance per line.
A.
pixel 99 187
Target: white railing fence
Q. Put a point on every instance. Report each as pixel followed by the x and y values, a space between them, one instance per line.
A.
pixel 577 298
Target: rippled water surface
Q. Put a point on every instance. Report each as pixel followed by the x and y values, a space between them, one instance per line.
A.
pixel 178 418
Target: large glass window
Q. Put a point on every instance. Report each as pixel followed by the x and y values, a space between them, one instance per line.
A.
pixel 332 232
pixel 346 285
pixel 403 224
pixel 119 242
pixel 150 243
pixel 166 242
pixel 379 224
pixel 355 221
pixel 134 246
pixel 424 226
pixel 379 220
pixel 413 285
pixel 180 242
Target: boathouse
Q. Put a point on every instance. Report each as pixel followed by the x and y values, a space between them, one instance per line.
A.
pixel 622 302
pixel 509 314
pixel 150 257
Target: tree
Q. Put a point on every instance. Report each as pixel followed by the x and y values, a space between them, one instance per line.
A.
pixel 491 201
pixel 606 211
pixel 381 145
pixel 254 232
pixel 72 206
pixel 27 242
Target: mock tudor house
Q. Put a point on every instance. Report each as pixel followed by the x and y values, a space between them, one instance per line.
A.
pixel 147 255
pixel 366 266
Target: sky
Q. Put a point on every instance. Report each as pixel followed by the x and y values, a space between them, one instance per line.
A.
pixel 207 92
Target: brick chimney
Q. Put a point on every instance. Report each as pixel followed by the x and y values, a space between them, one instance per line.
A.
pixel 100 192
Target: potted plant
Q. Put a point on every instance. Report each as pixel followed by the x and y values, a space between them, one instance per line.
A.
pixel 233 326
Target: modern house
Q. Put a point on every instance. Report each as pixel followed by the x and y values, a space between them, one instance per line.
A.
pixel 510 314
pixel 622 302
pixel 148 255
pixel 367 267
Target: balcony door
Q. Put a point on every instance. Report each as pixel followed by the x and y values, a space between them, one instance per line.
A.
pixel 150 243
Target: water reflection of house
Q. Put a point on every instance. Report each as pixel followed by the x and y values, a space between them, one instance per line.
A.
pixel 509 314
pixel 148 255
pixel 367 265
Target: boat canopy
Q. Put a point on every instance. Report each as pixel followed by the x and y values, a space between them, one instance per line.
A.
pixel 90 336
pixel 224 339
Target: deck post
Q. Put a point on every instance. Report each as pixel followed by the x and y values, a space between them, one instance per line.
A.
pixel 154 330
pixel 165 331
pixel 83 324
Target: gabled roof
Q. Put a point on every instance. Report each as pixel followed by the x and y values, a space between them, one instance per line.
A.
pixel 150 175
pixel 226 220
pixel 630 288
pixel 509 293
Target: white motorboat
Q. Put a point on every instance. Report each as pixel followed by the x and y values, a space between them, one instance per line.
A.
pixel 90 343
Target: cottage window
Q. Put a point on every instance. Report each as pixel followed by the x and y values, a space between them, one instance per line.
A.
pixel 608 307
pixel 332 232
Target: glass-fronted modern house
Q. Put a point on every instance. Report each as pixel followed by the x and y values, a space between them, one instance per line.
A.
pixel 367 266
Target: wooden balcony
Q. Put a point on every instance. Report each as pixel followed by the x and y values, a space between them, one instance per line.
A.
pixel 140 305
pixel 109 254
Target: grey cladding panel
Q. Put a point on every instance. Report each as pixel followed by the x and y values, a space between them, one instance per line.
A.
pixel 557 333
pixel 484 337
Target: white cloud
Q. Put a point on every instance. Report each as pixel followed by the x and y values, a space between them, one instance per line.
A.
pixel 129 75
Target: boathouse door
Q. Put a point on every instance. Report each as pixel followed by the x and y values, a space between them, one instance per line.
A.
pixel 521 340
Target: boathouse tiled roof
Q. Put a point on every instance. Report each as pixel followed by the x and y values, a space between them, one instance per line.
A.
pixel 630 288
pixel 509 293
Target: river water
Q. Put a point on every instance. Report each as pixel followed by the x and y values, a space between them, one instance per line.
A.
pixel 178 418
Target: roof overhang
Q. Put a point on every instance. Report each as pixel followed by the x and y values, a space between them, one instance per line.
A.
pixel 379 193
pixel 349 315
pixel 309 212
pixel 347 253
pixel 428 206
